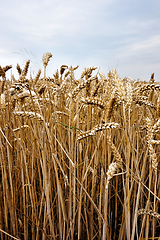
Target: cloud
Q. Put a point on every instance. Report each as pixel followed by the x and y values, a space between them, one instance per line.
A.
pixel 98 32
pixel 43 20
pixel 141 48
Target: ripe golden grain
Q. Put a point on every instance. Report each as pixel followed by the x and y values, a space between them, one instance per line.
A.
pixel 60 151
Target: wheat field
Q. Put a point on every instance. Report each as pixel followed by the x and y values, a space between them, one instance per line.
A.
pixel 79 158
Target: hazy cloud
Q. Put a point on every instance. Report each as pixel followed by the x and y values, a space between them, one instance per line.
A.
pixel 103 33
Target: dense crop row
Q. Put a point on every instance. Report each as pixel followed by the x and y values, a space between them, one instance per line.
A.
pixel 79 158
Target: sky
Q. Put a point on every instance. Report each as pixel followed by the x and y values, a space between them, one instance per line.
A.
pixel 107 34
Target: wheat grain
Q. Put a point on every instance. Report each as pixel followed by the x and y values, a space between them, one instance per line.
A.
pixel 94 101
pixel 41 89
pixel 19 69
pixel 7 67
pixel 25 70
pixel 115 151
pixel 155 141
pixel 2 101
pixel 2 72
pixel 152 153
pixel 110 172
pixel 151 81
pixel 29 115
pixel 46 57
pixel 88 72
pixel 63 68
pixel 148 212
pixel 26 93
pixel 37 77
pixel 156 126
pixel 2 85
pixel 86 134
pixel 105 126
pixel 22 127
pixel 82 85
pixel 110 106
pixel 140 101
pixel 147 87
pixel 94 91
pixel 98 128
pixel 158 108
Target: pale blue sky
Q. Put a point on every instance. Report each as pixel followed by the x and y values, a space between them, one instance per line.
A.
pixel 121 34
